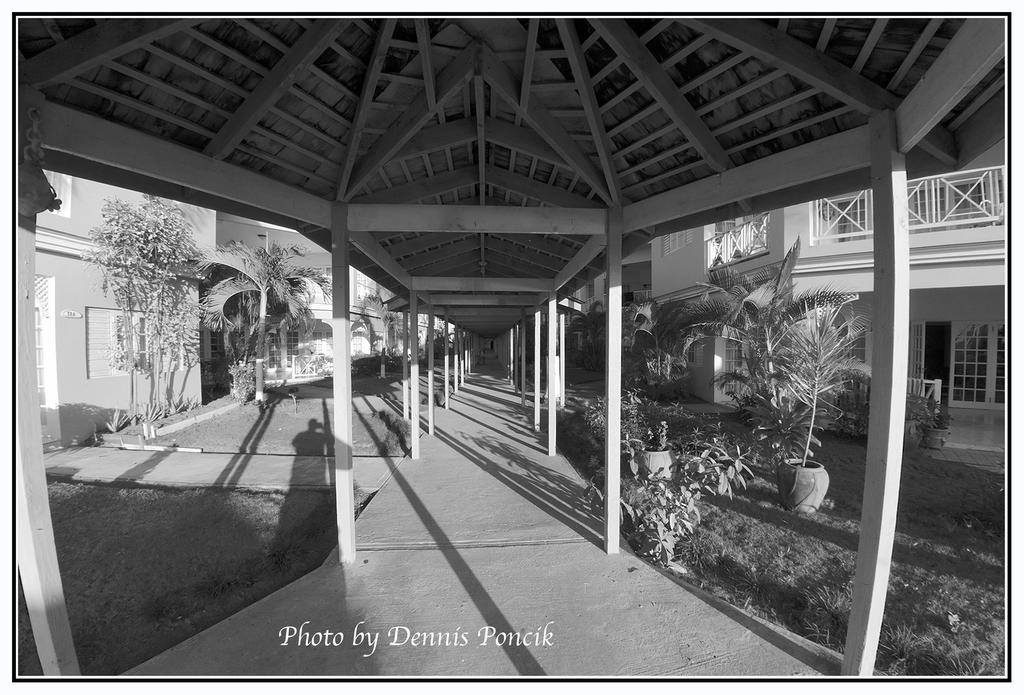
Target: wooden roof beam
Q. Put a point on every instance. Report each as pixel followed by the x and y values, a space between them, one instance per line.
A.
pixel 531 52
pixel 481 142
pixel 418 190
pixel 478 284
pixel 468 218
pixel 370 79
pixel 427 65
pixel 501 78
pixel 93 47
pixel 976 48
pixel 585 88
pixel 580 261
pixel 645 68
pixel 313 42
pixel 421 243
pixel 452 79
pixel 533 188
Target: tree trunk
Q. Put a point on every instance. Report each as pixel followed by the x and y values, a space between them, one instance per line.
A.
pixel 261 344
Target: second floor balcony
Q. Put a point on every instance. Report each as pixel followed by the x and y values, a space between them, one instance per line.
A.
pixel 958 200
pixel 738 240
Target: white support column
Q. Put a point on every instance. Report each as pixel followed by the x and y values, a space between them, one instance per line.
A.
pixel 552 374
pixel 414 376
pixel 405 364
pixel 36 550
pixel 561 359
pixel 511 356
pixel 613 381
pixel 890 317
pixel 344 479
pixel 536 370
pixel 447 388
pixel 522 358
pixel 471 339
pixel 430 370
pixel 455 358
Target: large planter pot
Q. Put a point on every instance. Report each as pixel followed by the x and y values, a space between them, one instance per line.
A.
pixel 658 463
pixel 802 488
pixel 934 438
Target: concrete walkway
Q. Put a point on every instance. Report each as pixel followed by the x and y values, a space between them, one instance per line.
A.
pixel 484 536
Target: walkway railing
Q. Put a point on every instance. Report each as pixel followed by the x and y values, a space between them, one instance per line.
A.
pixel 958 200
pixel 737 242
pixel 926 388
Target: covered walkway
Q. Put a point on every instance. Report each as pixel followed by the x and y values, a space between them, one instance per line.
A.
pixel 484 530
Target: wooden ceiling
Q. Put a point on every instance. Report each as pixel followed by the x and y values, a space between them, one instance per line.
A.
pixel 576 112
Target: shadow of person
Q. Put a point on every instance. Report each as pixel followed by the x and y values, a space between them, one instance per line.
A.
pixel 312 441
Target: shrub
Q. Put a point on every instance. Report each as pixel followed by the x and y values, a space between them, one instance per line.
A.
pixel 243 382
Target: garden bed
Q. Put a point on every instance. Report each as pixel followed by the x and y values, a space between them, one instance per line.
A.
pixel 134 590
pixel 945 613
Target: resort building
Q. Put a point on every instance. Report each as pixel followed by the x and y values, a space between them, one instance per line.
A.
pixel 77 323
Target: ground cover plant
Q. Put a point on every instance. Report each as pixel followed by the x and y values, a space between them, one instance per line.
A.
pixel 945 613
pixel 174 562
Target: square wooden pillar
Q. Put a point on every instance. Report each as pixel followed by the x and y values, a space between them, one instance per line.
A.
pixel 552 375
pixel 36 550
pixel 561 359
pixel 341 427
pixel 890 318
pixel 536 370
pixel 405 364
pixel 430 370
pixel 522 358
pixel 613 381
pixel 414 375
pixel 447 386
pixel 456 350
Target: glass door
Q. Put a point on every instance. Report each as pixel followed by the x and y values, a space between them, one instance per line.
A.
pixel 978 366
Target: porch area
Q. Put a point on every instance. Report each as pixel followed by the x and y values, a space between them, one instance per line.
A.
pixel 486 530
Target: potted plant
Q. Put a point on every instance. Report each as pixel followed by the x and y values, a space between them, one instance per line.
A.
pixel 657 457
pixel 815 359
pixel 935 432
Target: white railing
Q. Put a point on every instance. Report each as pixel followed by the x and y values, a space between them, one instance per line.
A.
pixel 311 365
pixel 737 242
pixel 958 200
pixel 926 388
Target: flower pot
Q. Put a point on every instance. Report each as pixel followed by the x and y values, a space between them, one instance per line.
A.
pixel 658 463
pixel 934 438
pixel 802 488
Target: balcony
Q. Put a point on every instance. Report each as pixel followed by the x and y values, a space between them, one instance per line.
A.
pixel 959 200
pixel 739 240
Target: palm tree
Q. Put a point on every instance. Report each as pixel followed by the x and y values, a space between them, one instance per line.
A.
pixel 662 333
pixel 373 303
pixel 258 281
pixel 757 310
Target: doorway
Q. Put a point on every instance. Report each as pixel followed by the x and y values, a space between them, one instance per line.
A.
pixel 978 374
pixel 937 354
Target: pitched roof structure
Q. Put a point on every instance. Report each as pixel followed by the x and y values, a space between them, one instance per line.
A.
pixel 658 116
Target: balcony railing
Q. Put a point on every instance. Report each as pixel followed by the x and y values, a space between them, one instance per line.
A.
pixel 959 200
pixel 737 242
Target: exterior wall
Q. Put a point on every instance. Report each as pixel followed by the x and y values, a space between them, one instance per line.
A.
pixel 81 402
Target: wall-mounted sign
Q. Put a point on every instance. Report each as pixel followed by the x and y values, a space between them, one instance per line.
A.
pixel 70 314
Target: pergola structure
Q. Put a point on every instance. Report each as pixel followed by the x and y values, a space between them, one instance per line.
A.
pixel 485 168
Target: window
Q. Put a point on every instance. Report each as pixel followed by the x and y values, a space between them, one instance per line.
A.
pixel 292 342
pixel 107 342
pixel 670 243
pixel 695 354
pixel 62 187
pixel 216 339
pixel 365 287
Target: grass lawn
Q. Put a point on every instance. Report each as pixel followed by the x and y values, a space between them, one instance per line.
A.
pixel 797 570
pixel 143 569
pixel 302 427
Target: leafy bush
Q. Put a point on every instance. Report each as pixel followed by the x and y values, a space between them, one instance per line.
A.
pixel 119 419
pixel 660 514
pixel 243 382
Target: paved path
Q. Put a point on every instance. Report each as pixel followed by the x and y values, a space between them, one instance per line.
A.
pixel 486 531
pixel 182 469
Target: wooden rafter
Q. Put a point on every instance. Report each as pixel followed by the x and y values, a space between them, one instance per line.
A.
pixel 580 261
pixel 424 188
pixel 421 243
pixel 915 52
pixel 537 117
pixel 529 55
pixel 277 82
pixel 467 218
pixel 585 89
pixel 370 78
pixel 645 68
pixel 538 190
pixel 869 44
pixel 427 66
pixel 481 142
pixel 450 81
pixel 93 47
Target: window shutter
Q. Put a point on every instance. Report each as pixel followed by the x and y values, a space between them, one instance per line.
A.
pixel 99 338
